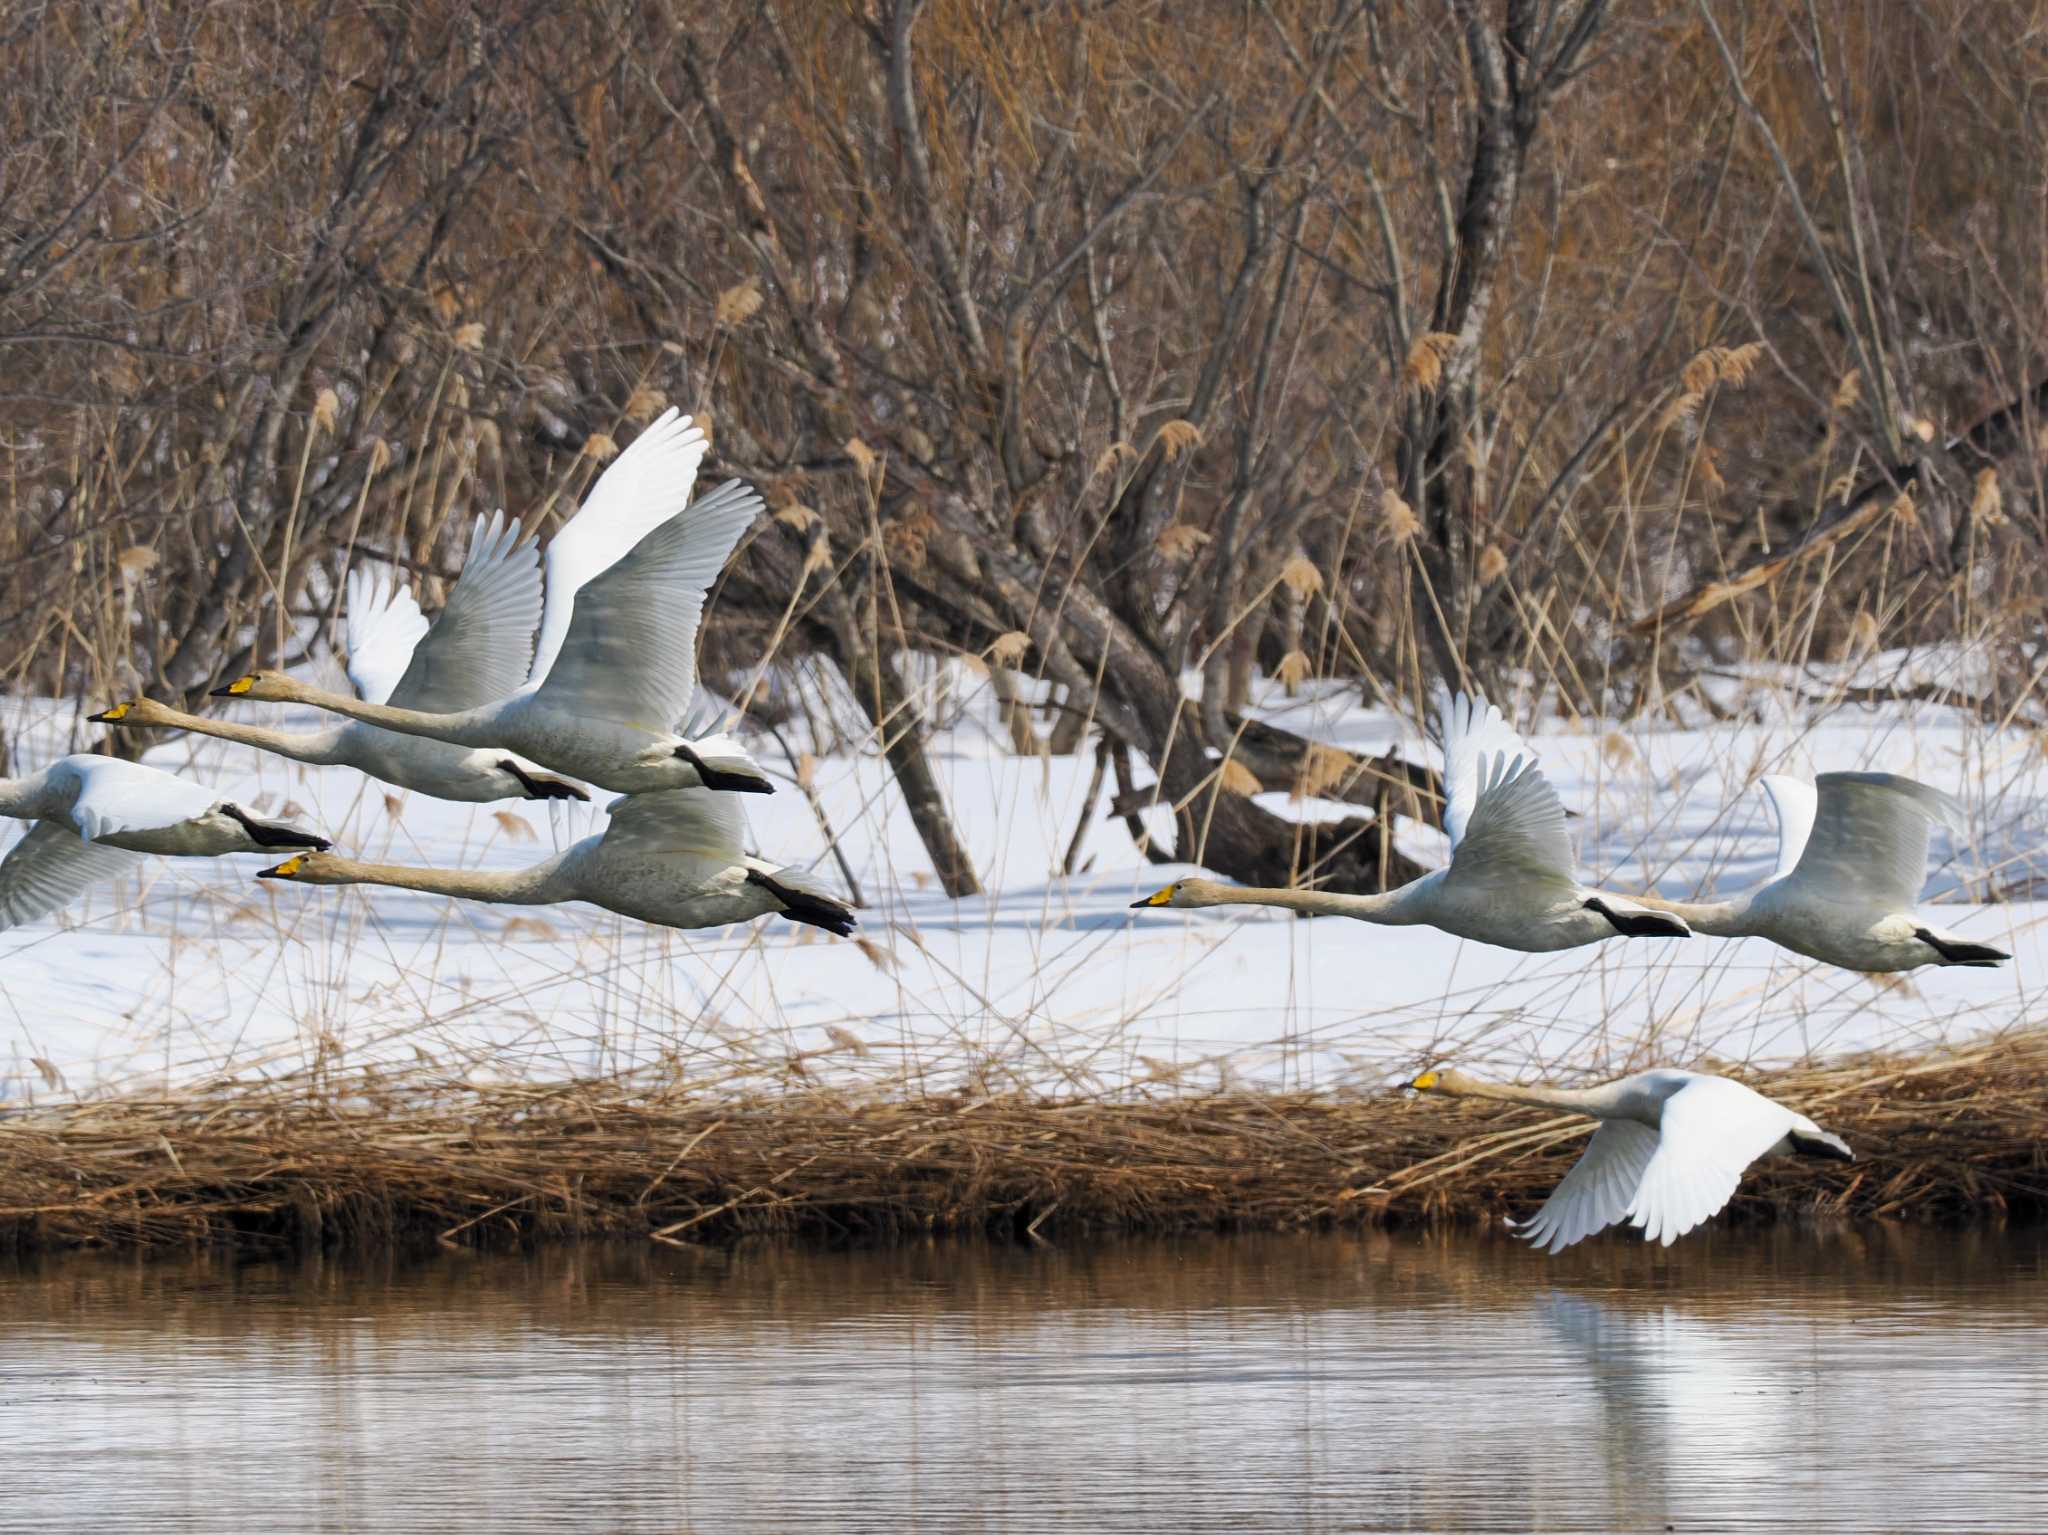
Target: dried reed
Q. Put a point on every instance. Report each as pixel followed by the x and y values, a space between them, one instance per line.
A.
pixel 363 1161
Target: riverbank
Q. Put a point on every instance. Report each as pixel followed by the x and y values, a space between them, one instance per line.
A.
pixel 371 1160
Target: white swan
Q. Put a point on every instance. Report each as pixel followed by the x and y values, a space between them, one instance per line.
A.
pixel 1852 856
pixel 1671 1147
pixel 475 649
pixel 95 816
pixel 616 665
pixel 674 858
pixel 1509 881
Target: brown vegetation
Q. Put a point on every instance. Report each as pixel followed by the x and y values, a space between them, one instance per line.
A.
pixel 367 1161
pixel 1601 345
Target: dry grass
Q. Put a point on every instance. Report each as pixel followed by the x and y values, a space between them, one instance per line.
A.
pixel 365 1162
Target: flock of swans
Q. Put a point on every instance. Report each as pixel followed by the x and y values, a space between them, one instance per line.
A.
pixel 541 671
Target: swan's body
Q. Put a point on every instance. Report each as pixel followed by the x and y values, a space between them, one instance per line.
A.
pixel 474 650
pixel 674 859
pixel 1852 856
pixel 1509 881
pixel 1671 1147
pixel 616 662
pixel 95 816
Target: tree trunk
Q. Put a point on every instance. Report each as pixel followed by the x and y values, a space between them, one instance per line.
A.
pixel 900 728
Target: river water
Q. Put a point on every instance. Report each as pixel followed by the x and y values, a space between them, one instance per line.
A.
pixel 1789 1379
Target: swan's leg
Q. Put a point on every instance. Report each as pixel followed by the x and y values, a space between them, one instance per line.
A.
pixel 1640 924
pixel 266 834
pixel 542 788
pixel 722 779
pixel 1955 951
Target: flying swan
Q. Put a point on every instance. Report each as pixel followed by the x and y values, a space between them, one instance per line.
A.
pixel 1670 1149
pixel 674 858
pixel 476 649
pixel 616 662
pixel 1509 881
pixel 1852 855
pixel 95 816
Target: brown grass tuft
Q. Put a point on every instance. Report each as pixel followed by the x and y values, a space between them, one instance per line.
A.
pixel 739 303
pixel 1491 566
pixel 1179 540
pixel 1424 368
pixel 1402 523
pixel 1009 648
pixel 1236 778
pixel 1294 669
pixel 370 1158
pixel 1176 437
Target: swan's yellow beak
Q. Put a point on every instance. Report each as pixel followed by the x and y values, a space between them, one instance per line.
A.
pixel 108 716
pixel 1156 898
pixel 234 689
pixel 1426 1081
pixel 285 870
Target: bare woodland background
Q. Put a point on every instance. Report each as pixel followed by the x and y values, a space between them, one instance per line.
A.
pixel 1604 347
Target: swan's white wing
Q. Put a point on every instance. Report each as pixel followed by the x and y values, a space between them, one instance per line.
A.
pixel 1869 842
pixel 697 822
pixel 1710 1131
pixel 630 656
pixel 1598 1190
pixel 1470 730
pixel 1794 800
pixel 640 490
pixel 1516 831
pixel 384 624
pixel 50 868
pixel 478 646
pixel 115 796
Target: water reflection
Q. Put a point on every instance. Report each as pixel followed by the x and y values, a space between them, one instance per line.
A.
pixel 1845 1378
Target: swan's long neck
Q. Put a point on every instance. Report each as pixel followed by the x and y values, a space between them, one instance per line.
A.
pixel 540 884
pixel 461 729
pixel 1389 907
pixel 1597 1101
pixel 319 747
pixel 1714 919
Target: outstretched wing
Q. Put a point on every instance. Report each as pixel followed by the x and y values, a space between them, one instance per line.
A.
pixel 1470 730
pixel 1597 1191
pixel 478 647
pixel 699 822
pixel 630 656
pixel 1793 799
pixel 1516 830
pixel 50 868
pixel 1710 1130
pixel 641 489
pixel 384 624
pixel 114 796
pixel 1870 833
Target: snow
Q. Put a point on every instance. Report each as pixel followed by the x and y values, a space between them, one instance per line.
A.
pixel 195 969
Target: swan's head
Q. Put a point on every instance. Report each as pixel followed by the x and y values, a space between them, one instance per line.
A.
pixel 1185 893
pixel 310 869
pixel 140 711
pixel 1442 1079
pixel 261 687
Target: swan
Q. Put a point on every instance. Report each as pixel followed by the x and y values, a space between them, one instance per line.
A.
pixel 1670 1149
pixel 1509 881
pixel 474 650
pixel 673 858
pixel 95 816
pixel 616 662
pixel 1852 855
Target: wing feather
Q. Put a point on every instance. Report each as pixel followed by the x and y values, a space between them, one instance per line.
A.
pixel 481 642
pixel 689 821
pixel 639 491
pixel 111 796
pixel 1711 1130
pixel 1597 1191
pixel 1516 830
pixel 384 625
pixel 1794 801
pixel 51 867
pixel 630 656
pixel 1870 835
pixel 1470 730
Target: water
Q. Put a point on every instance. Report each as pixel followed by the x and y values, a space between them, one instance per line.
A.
pixel 1865 1378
